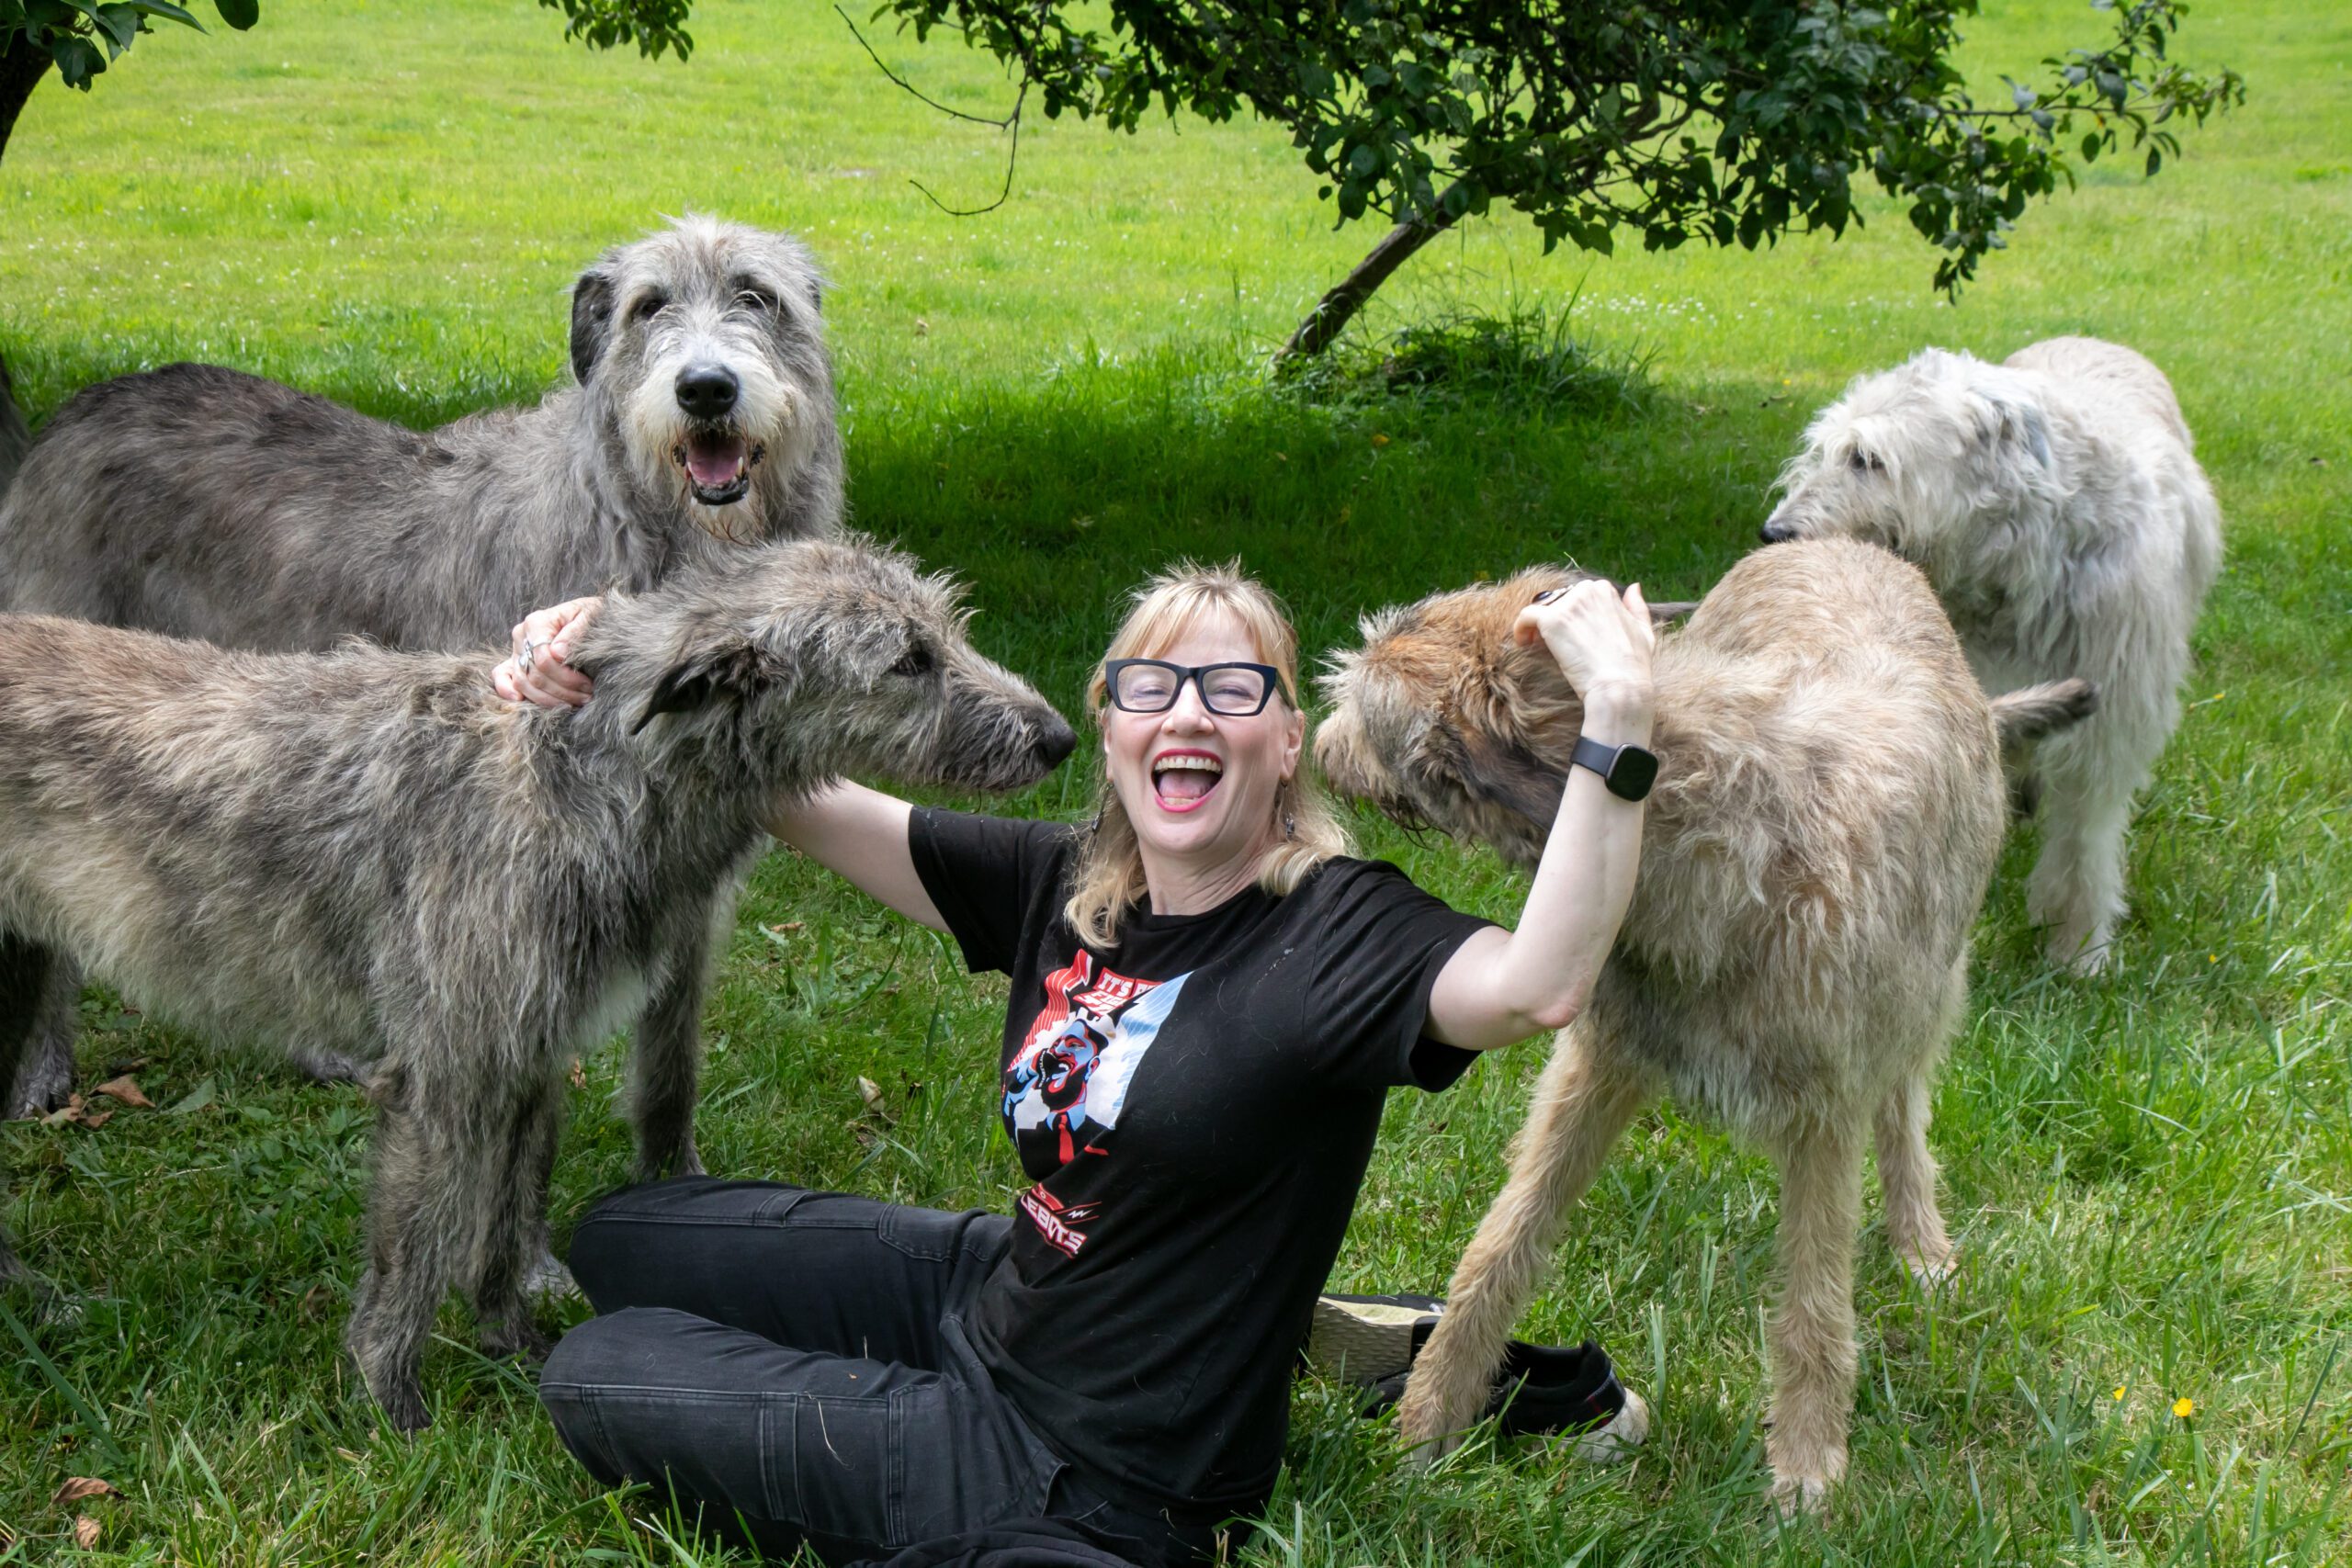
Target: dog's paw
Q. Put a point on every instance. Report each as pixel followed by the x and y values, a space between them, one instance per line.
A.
pixel 1800 1496
pixel 549 1280
pixel 35 1300
pixel 401 1399
pixel 42 1087
pixel 1432 1416
pixel 1802 1482
pixel 328 1067
pixel 1931 1271
pixel 515 1337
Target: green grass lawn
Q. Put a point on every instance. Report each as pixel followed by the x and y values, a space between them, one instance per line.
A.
pixel 2150 1174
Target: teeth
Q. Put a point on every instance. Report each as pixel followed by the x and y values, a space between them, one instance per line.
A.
pixel 1186 764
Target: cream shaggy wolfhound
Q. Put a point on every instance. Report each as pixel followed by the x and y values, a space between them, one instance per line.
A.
pixel 2055 501
pixel 1829 808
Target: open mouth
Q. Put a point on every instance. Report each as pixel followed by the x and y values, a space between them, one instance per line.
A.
pixel 1182 780
pixel 717 464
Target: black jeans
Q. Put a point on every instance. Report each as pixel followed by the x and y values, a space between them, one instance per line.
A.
pixel 795 1366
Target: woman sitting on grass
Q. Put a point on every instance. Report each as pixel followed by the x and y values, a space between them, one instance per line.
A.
pixel 1209 1001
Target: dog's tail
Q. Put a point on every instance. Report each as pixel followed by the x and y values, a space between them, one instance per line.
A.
pixel 2032 712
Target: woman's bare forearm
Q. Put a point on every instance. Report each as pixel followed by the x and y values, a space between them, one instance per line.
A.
pixel 860 834
pixel 1502 987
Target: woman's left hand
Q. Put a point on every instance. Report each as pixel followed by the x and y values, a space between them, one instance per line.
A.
pixel 1603 640
pixel 543 641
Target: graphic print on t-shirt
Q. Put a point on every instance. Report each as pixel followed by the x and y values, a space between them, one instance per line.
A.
pixel 1069 1080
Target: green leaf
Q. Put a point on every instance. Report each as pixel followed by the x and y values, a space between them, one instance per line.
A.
pixel 195 1098
pixel 168 12
pixel 77 59
pixel 239 14
pixel 119 23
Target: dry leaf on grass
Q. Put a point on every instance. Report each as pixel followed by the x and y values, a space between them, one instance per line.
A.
pixel 76 1487
pixel 77 1111
pixel 579 1073
pixel 870 1092
pixel 86 1532
pixel 126 1090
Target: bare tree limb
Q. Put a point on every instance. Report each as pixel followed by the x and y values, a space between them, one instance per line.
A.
pixel 1010 122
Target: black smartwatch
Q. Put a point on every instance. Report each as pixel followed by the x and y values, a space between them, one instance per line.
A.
pixel 1628 770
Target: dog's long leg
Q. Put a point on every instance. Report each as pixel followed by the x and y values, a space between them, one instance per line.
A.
pixel 2077 886
pixel 1907 1175
pixel 434 1175
pixel 516 1231
pixel 666 1067
pixel 43 1076
pixel 25 971
pixel 1812 1329
pixel 1582 1104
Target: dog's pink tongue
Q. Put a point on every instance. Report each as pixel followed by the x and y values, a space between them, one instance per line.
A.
pixel 713 463
pixel 1184 785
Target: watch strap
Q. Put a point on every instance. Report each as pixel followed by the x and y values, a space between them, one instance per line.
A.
pixel 1627 771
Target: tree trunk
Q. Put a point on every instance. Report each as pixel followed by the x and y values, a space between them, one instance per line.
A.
pixel 14 439
pixel 1336 308
pixel 21 68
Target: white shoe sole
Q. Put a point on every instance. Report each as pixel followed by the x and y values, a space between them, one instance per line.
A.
pixel 1360 1341
pixel 1626 1431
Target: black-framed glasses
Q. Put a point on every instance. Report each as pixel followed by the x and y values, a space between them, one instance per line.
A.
pixel 1151 685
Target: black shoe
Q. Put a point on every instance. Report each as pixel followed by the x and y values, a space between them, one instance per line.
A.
pixel 1541 1389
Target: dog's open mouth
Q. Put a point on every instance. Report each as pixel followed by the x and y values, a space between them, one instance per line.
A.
pixel 1183 779
pixel 717 465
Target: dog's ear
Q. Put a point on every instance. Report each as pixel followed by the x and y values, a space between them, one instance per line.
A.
pixel 1493 772
pixel 1505 773
pixel 2033 428
pixel 729 671
pixel 2003 418
pixel 592 318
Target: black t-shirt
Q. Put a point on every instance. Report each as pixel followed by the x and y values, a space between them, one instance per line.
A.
pixel 1196 1110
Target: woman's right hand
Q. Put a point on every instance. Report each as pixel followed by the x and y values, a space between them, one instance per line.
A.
pixel 543 641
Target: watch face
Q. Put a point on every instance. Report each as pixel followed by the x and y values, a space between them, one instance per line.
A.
pixel 1632 774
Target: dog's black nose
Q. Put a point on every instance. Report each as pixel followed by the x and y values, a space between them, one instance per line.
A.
pixel 1775 532
pixel 1057 743
pixel 708 392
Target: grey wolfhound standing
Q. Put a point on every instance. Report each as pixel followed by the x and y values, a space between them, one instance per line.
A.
pixel 2055 501
pixel 202 503
pixel 1828 807
pixel 372 850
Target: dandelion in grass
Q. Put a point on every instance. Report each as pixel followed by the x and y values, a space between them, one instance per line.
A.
pixel 2117 1394
pixel 2184 1407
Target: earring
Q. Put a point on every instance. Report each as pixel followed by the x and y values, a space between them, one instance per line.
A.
pixel 1290 826
pixel 1094 829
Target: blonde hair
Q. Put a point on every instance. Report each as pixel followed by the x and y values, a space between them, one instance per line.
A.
pixel 1107 878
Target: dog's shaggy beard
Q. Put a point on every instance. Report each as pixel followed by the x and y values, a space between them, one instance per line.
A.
pixel 1934 460
pixel 721 473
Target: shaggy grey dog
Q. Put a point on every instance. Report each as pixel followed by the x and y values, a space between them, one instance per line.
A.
pixel 2055 501
pixel 202 503
pixel 1828 807
pixel 370 849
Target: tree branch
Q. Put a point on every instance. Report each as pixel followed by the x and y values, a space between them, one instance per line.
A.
pixel 1010 123
pixel 1339 306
